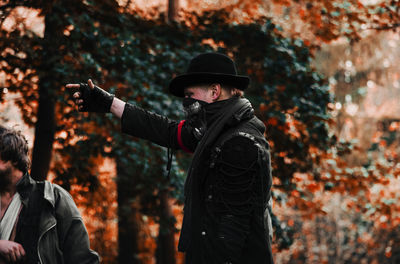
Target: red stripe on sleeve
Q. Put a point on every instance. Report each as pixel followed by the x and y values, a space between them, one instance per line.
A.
pixel 180 125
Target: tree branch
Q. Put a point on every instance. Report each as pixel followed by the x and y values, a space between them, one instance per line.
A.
pixel 387 27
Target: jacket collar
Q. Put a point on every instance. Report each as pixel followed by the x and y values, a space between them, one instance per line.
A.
pixel 217 109
pixel 49 193
pixel 245 112
pixel 26 185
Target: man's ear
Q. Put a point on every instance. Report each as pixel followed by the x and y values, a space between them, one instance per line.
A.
pixel 215 91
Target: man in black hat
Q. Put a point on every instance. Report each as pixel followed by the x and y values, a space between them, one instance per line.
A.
pixel 228 183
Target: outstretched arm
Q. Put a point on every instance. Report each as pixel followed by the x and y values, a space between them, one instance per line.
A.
pixel 135 121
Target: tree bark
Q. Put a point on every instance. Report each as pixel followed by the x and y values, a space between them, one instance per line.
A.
pixel 173 7
pixel 166 236
pixel 128 224
pixel 44 135
pixel 46 122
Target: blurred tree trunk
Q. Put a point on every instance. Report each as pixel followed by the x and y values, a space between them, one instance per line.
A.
pixel 46 123
pixel 166 237
pixel 173 8
pixel 128 225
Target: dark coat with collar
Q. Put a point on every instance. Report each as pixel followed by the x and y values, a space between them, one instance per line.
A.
pixel 231 184
pixel 50 227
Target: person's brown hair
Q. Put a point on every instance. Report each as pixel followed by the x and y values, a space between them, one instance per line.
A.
pixel 14 148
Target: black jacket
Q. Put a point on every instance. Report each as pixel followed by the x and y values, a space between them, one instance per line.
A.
pixel 50 227
pixel 229 182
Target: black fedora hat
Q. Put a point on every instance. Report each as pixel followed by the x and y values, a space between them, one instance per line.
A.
pixel 209 68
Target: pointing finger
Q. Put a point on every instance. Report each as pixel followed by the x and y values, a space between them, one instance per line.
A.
pixel 72 85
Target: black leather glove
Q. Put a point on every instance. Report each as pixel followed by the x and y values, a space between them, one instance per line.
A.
pixel 95 100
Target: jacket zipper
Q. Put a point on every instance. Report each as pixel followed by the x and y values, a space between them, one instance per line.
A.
pixel 40 260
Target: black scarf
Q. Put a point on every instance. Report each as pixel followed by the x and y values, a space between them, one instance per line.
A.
pixel 29 220
pixel 219 115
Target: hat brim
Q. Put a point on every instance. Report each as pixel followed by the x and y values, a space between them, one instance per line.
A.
pixel 179 83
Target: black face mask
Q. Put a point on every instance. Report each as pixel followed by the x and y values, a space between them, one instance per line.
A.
pixel 196 115
pixel 5 179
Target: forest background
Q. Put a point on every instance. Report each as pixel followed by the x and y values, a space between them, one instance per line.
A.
pixel 325 81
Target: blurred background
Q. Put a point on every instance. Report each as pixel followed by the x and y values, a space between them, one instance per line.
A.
pixel 325 81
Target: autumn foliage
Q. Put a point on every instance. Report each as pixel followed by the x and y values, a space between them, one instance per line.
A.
pixel 329 205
